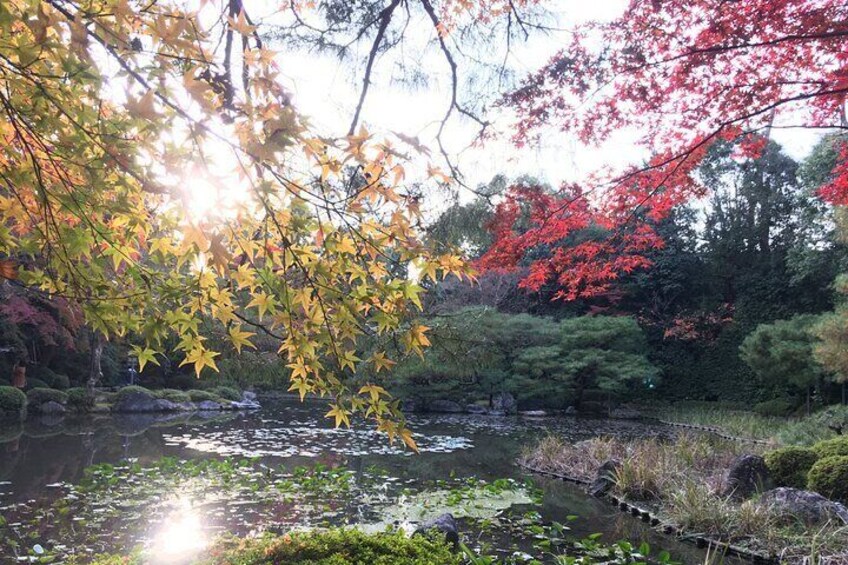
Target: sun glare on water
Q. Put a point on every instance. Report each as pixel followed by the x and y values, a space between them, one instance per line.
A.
pixel 180 537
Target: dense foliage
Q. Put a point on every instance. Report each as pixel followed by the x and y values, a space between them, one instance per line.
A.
pixel 479 352
pixel 829 477
pixel 761 249
pixel 164 198
pixel 689 76
pixel 783 352
pixel 789 466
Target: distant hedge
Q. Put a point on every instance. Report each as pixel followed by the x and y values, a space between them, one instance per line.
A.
pixel 39 396
pixel 12 402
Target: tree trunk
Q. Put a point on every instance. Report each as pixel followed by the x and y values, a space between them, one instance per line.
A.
pixel 808 400
pixel 95 344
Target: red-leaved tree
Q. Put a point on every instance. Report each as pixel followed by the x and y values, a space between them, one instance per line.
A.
pixel 685 74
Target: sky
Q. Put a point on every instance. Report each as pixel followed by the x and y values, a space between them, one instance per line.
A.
pixel 326 90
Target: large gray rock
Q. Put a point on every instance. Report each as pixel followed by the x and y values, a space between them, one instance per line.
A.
pixel 139 401
pixel 248 396
pixel 445 524
pixel 245 405
pixel 163 405
pixel 136 401
pixel 504 403
pixel 208 405
pixel 604 478
pixel 811 507
pixel 476 409
pixel 444 406
pixel 746 476
pixel 51 407
pixel 571 411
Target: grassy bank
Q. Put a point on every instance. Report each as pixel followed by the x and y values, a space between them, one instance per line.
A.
pixel 682 482
pixel 735 421
pixel 350 546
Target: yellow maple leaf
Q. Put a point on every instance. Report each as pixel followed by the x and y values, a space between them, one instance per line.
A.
pixel 374 391
pixel 241 25
pixel 201 358
pixel 340 414
pixel 143 107
pixel 240 338
pixel 381 362
pixel 144 355
pixel 406 436
pixel 299 369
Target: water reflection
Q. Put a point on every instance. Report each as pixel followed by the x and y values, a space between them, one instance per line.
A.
pixel 177 524
pixel 180 537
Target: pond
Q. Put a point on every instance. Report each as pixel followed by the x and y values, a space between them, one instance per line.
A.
pixel 171 483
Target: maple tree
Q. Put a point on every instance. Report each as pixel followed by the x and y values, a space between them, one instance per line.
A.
pixel 158 177
pixel 685 75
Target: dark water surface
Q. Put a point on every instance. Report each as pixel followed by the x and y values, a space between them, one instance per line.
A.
pixel 43 458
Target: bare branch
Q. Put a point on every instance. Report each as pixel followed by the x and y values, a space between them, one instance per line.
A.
pixel 385 18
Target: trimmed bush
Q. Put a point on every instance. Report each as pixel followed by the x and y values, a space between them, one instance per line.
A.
pixel 227 392
pixel 201 395
pixel 173 395
pixel 61 382
pixel 35 383
pixel 79 399
pixel 43 374
pixel 132 389
pixel 829 477
pixel 12 402
pixel 39 396
pixel 789 466
pixel 837 446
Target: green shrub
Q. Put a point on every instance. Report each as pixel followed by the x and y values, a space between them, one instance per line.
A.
pixel 201 395
pixel 339 547
pixel 38 396
pixel 173 395
pixel 780 407
pixel 127 390
pixel 837 446
pixel 36 383
pixel 12 402
pixel 789 466
pixel 829 477
pixel 79 399
pixel 61 382
pixel 227 392
pixel 43 374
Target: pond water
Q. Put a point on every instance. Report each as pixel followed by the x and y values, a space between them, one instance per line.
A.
pixel 171 483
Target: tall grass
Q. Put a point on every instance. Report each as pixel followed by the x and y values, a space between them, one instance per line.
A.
pixel 735 421
pixel 683 481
